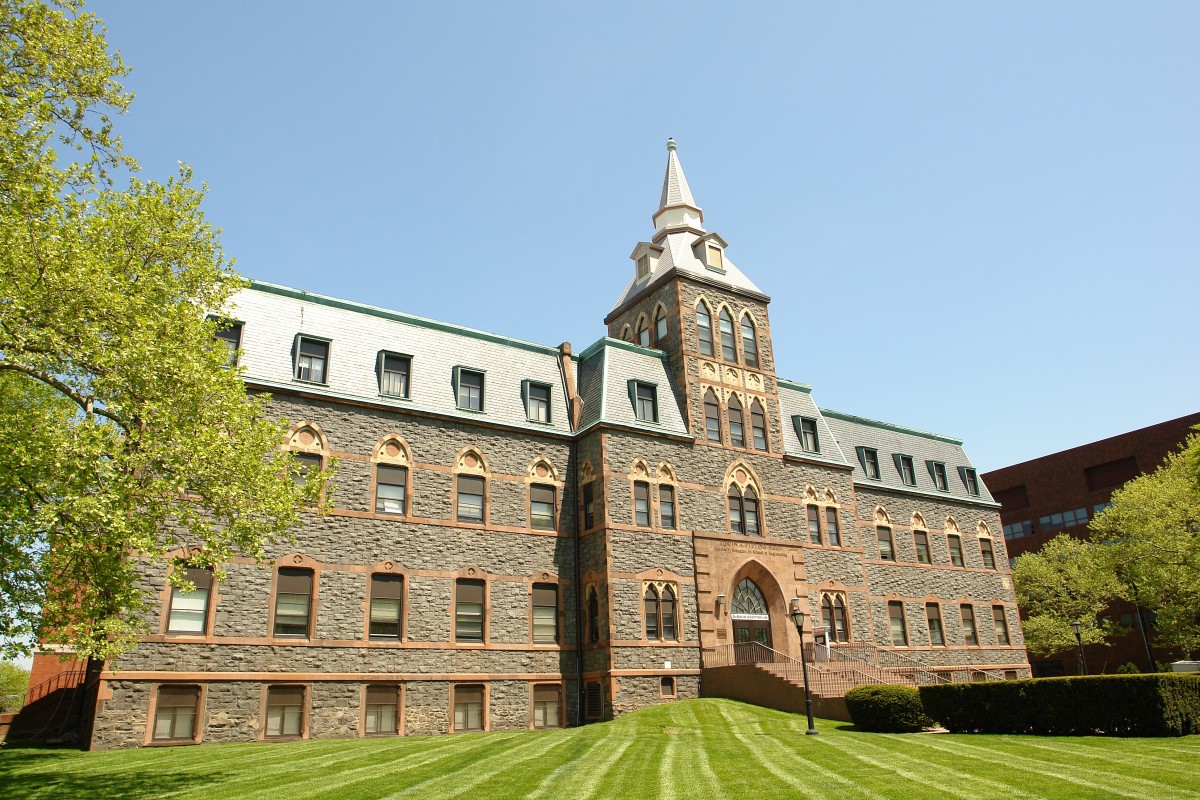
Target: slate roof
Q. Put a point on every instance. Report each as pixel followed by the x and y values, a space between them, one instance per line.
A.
pixel 605 370
pixel 795 400
pixel 891 440
pixel 273 316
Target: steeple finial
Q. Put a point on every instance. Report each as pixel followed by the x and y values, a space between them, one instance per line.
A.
pixel 676 206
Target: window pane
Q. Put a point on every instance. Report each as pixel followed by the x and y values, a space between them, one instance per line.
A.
pixel 470 390
pixel 468 613
pixel 728 348
pixel 814 524
pixel 541 507
pixel 641 504
pixel 310 361
pixel 985 549
pixel 666 506
pixel 650 603
pixel 749 345
pixel 736 523
pixel 188 611
pixel 545 613
pixel 470 498
pixel 390 484
pixel 1001 625
pixel 808 429
pixel 898 628
pixel 968 623
pixel 387 592
pixel 758 425
pixel 956 553
pixel 660 328
pixel 667 610
pixel 831 524
pixel 737 435
pixel 712 417
pixel 393 376
pixel 589 506
pixel 884 535
pixel 704 330
pixel 933 615
pixel 921 540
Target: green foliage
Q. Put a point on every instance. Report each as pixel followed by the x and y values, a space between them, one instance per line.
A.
pixel 1068 579
pixel 14 681
pixel 885 708
pixel 1121 705
pixel 127 435
pixel 1128 668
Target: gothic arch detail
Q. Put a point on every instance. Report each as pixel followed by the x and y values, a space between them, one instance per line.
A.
pixel 391 449
pixel 307 437
pixel 881 516
pixel 471 460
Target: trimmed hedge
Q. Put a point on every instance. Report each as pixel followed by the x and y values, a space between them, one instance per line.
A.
pixel 1114 705
pixel 887 709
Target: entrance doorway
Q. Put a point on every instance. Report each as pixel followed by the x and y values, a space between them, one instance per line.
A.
pixel 751 624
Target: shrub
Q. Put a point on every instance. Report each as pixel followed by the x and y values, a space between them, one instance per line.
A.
pixel 887 709
pixel 1128 668
pixel 1118 705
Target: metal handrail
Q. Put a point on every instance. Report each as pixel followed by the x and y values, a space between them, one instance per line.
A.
pixel 54 683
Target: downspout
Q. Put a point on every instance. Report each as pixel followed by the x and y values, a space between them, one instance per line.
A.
pixel 574 407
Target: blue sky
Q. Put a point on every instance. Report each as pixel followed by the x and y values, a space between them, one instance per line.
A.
pixel 976 219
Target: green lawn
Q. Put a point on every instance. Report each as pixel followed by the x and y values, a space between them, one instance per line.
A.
pixel 693 749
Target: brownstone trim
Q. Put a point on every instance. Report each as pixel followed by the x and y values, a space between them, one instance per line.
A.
pixel 362 709
pixel 663 690
pixel 559 614
pixel 294 561
pixel 484 711
pixel 562 706
pixel 305 708
pixel 386 568
pixel 198 725
pixel 164 597
pixel 641 673
pixel 328 677
pixel 471 574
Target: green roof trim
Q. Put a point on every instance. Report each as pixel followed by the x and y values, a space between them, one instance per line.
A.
pixel 397 316
pixel 799 387
pixel 608 341
pixel 887 426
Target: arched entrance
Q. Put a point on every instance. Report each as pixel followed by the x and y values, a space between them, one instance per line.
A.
pixel 751 622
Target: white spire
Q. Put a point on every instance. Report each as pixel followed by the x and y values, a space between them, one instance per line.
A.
pixel 676 206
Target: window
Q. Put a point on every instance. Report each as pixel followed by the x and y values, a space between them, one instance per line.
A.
pixel 886 551
pixel 869 459
pixel 749 342
pixel 309 463
pixel 641 504
pixel 470 389
pixel 541 508
pixel 312 356
pixel 659 601
pixel 833 616
pixel 387 596
pixel 1018 529
pixel 643 332
pixel 645 405
pixel 954 541
pixel 545 613
pixel 743 511
pixel 908 474
pixel 391 484
pixel 937 470
pixel 933 615
pixel 921 542
pixel 643 267
pixel 737 432
pixel 704 329
pixel 468 708
pixel 293 601
pixel 660 326
pixel 593 703
pixel 382 710
pixel 985 550
pixel 807 429
pixel 593 615
pixel 468 610
pixel 1001 621
pixel 470 498
pixel 897 625
pixel 175 713
pixel 666 507
pixel 814 524
pixel 666 686
pixel 715 260
pixel 545 707
pixel 970 480
pixel 393 374
pixel 831 525
pixel 712 417
pixel 758 425
pixel 231 335
pixel 968 625
pixel 189 610
pixel 537 402
pixel 728 347
pixel 589 505
pixel 285 711
pixel 1064 519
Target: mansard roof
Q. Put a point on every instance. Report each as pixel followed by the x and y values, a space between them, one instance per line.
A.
pixel 891 441
pixel 606 369
pixel 795 401
pixel 275 316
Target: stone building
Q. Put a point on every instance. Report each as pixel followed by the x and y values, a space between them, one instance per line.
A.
pixel 526 536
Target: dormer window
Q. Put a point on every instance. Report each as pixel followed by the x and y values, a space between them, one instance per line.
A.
pixel 716 259
pixel 643 268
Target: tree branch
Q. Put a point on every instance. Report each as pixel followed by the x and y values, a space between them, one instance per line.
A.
pixel 88 404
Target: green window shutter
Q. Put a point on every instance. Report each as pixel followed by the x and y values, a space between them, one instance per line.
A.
pixel 633 394
pixel 454 381
pixel 899 466
pixel 525 394
pixel 932 472
pixel 962 476
pixel 861 452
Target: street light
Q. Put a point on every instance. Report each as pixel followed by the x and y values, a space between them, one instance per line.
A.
pixel 798 619
pixel 1077 626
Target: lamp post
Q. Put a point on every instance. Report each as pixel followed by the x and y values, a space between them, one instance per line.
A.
pixel 798 620
pixel 1077 626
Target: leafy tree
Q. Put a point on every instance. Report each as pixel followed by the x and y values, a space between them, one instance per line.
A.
pixel 128 437
pixel 14 681
pixel 1153 531
pixel 1066 580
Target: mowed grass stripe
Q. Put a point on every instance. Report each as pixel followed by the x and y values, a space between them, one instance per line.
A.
pixel 1069 757
pixel 1054 769
pixel 569 768
pixel 808 756
pixel 479 771
pixel 594 774
pixel 1102 750
pixel 767 766
pixel 697 753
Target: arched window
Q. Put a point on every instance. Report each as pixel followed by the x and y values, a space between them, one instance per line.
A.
pixel 593 615
pixel 660 326
pixel 833 615
pixel 743 510
pixel 737 431
pixel 749 342
pixel 704 329
pixel 712 417
pixel 643 332
pixel 728 348
pixel 758 425
pixel 659 600
pixel 747 599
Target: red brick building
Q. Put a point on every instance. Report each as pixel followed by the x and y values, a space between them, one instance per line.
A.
pixel 1062 492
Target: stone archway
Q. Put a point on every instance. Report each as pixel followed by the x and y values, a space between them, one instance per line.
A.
pixel 758 614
